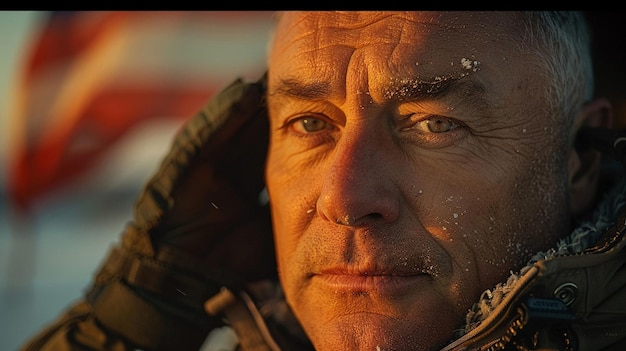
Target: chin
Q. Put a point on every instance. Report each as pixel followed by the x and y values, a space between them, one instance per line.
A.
pixel 369 331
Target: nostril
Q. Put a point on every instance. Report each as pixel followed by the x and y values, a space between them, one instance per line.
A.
pixel 351 221
pixel 374 216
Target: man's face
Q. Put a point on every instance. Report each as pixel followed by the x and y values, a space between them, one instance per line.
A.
pixel 411 167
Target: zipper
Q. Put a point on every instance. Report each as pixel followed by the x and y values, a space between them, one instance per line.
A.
pixel 546 311
pixel 516 326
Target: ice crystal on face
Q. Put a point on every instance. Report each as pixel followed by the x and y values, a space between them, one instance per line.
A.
pixel 403 88
pixel 469 64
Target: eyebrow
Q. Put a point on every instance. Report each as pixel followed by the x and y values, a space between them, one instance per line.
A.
pixel 415 89
pixel 401 89
pixel 296 89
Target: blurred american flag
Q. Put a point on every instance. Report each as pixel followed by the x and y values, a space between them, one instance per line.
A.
pixel 90 78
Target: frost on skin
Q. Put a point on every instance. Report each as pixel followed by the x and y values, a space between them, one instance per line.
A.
pixel 470 64
pixel 409 87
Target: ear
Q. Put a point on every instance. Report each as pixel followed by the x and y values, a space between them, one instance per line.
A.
pixel 584 164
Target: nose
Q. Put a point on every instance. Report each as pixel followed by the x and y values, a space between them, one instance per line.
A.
pixel 358 187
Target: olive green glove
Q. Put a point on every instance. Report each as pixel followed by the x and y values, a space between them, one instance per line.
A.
pixel 198 225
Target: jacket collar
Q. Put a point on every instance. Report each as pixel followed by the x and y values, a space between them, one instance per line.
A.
pixel 494 305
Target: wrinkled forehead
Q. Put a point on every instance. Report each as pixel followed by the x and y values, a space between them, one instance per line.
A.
pixel 357 29
pixel 417 19
pixel 406 45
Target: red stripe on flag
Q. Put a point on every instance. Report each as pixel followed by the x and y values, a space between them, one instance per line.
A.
pixel 66 36
pixel 57 159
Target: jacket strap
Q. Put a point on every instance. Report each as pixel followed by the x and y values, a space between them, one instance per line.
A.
pixel 243 316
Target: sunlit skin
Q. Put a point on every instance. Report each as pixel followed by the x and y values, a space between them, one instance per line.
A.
pixel 408 171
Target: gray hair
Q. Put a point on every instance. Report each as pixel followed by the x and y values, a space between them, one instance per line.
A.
pixel 561 41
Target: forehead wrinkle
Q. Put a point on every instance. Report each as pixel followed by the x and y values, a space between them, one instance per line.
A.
pixel 344 28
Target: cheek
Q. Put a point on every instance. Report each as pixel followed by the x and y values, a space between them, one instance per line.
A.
pixel 292 206
pixel 284 215
pixel 497 229
pixel 285 240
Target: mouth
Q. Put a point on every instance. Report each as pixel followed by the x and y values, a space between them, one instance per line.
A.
pixel 374 283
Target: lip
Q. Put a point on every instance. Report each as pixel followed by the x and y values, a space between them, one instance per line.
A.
pixel 376 283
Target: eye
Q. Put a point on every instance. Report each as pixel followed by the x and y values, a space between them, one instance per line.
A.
pixel 436 124
pixel 433 131
pixel 309 124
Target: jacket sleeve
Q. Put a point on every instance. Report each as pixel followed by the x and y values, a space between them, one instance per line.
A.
pixel 181 248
